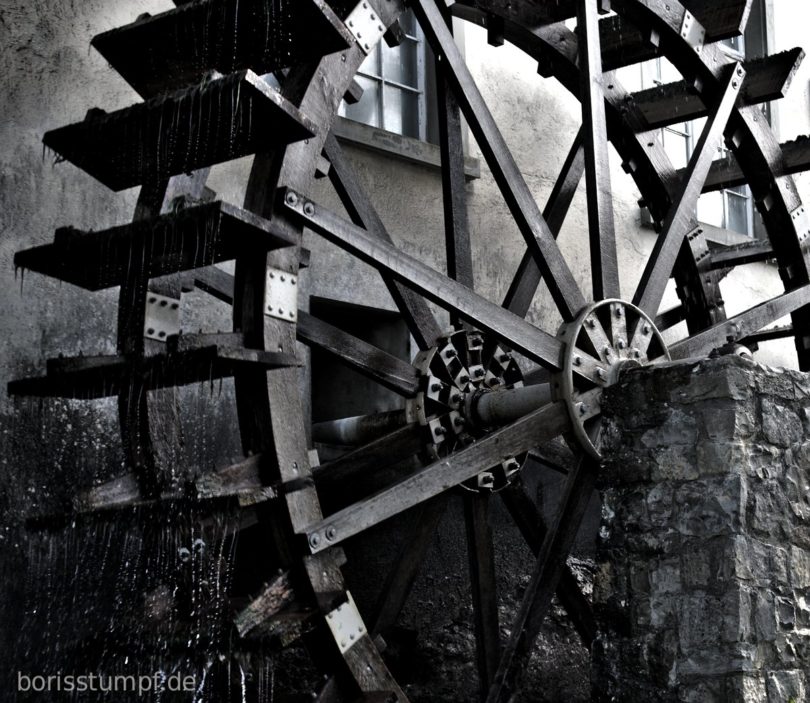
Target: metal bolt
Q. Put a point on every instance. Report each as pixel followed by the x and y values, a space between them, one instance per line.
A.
pixel 436 387
pixel 292 198
pixel 150 331
pixel 309 209
pixel 464 378
pixel 331 533
pixel 314 541
pixel 440 431
pixel 636 354
pixel 583 409
pixel 590 322
pixel 455 398
pixel 292 314
pixel 577 361
pixel 645 329
pixel 503 358
pixel 733 84
pixel 283 278
pixel 622 344
pixel 618 312
pixel 600 373
pixel 280 311
pixel 458 421
pixel 479 372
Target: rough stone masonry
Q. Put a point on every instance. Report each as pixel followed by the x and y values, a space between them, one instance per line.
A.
pixel 703 573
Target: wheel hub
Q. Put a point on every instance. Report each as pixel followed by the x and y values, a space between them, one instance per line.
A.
pixel 606 338
pixel 456 373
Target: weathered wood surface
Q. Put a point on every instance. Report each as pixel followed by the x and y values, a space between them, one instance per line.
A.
pixel 767 78
pixel 177 48
pixel 190 238
pixel 217 121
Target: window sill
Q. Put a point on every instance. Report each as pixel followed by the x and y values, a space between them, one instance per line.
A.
pixel 391 144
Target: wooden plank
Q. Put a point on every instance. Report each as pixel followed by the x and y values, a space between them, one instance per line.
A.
pixel 518 298
pixel 682 215
pixel 741 254
pixel 722 19
pixel 601 223
pixel 742 325
pixel 726 173
pixel 767 78
pixel 90 377
pixel 531 430
pixel 451 145
pixel 513 187
pixel 275 596
pixel 768 335
pixel 481 562
pixel 173 49
pixel 414 309
pixel 223 119
pixel 190 238
pixel 354 466
pixel 374 363
pixel 411 272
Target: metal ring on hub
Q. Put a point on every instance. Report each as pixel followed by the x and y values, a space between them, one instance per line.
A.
pixel 605 338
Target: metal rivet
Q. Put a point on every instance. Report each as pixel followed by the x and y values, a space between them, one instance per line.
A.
pixel 600 373
pixel 292 198
pixel 577 361
pixel 292 314
pixel 622 344
pixel 645 329
pixel 331 533
pixel 436 387
pixel 150 331
pixel 583 409
pixel 314 540
pixel 309 209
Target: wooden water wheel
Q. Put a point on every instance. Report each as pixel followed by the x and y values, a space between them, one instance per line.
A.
pixel 470 414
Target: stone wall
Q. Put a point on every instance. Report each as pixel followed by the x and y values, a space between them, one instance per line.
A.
pixel 703 568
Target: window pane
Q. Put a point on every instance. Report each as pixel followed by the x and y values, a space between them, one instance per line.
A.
pixel 710 209
pixel 408 22
pixel 737 212
pixel 371 64
pixel 401 112
pixel 399 63
pixel 676 147
pixel 367 110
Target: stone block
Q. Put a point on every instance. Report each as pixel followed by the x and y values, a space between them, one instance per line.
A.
pixel 717 458
pixel 781 426
pixel 786 687
pixel 711 507
pixel 746 689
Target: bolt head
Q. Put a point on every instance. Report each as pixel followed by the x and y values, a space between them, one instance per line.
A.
pixel 577 361
pixel 645 329
pixel 314 541
pixel 309 209
pixel 331 533
pixel 583 409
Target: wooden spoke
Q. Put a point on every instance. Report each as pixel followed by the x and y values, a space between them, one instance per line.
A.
pixel 529 431
pixel 373 456
pixel 411 556
pixel 741 325
pixel 481 557
pixel 414 310
pixel 456 229
pixel 396 375
pixel 548 568
pixel 601 226
pixel 514 331
pixel 532 526
pixel 522 205
pixel 682 215
pixel 524 285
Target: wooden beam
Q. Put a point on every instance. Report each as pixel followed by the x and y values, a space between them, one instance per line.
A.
pixel 413 273
pixel 176 48
pixel 374 363
pixel 432 480
pixel 726 173
pixel 213 122
pixel 767 78
pixel 742 325
pixel 748 253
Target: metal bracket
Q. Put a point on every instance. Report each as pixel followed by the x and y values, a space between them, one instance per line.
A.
pixel 162 318
pixel 365 26
pixel 281 295
pixel 346 624
pixel 693 31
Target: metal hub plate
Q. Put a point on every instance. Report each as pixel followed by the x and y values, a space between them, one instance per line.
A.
pixel 606 338
pixel 455 373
